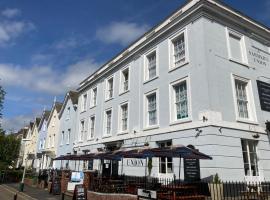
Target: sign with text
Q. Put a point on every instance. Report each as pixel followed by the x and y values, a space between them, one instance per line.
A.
pixel 80 192
pixel 264 95
pixel 192 169
pixel 135 162
pixel 258 57
pixel 56 186
pixel 146 194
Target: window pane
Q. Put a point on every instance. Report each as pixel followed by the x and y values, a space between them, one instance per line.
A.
pixel 179 50
pixel 152 111
pixel 181 101
pixel 241 97
pixel 151 65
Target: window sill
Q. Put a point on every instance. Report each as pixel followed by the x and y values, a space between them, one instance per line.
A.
pixel 151 127
pixel 93 106
pixel 122 133
pixel 108 99
pixel 180 121
pixel 179 66
pixel 90 139
pixel 239 62
pixel 107 136
pixel 67 143
pixel 247 121
pixel 124 92
pixel 83 111
pixel 149 80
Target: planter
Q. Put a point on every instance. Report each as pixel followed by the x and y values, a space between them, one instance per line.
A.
pixel 216 191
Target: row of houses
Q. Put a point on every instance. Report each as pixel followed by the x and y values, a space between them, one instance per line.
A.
pixel 201 78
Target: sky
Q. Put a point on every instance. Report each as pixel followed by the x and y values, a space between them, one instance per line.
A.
pixel 49 47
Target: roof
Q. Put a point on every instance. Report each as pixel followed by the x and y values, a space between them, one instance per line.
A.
pixel 45 115
pixel 37 121
pixel 58 106
pixel 73 96
pixel 156 30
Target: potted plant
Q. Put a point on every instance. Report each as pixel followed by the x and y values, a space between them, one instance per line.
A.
pixel 216 188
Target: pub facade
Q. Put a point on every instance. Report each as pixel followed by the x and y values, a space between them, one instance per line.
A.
pixel 200 78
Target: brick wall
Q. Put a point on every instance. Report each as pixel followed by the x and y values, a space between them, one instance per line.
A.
pixel 100 196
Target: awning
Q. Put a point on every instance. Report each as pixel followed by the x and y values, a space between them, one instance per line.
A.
pixel 143 152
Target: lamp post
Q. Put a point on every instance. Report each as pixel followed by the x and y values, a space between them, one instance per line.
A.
pixel 21 186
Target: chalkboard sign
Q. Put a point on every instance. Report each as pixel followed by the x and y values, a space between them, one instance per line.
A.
pixel 192 169
pixel 79 192
pixel 264 95
pixel 56 186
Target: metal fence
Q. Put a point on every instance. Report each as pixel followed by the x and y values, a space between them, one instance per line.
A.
pixel 174 189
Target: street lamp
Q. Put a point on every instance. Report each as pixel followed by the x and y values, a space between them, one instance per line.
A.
pixel 21 187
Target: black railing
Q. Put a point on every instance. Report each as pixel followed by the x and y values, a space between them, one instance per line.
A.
pixel 174 189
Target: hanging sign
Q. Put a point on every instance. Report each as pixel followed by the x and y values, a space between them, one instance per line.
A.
pixel 264 95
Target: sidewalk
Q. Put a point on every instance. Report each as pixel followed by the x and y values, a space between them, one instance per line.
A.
pixel 32 193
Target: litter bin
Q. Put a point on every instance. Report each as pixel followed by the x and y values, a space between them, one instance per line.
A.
pixel 21 187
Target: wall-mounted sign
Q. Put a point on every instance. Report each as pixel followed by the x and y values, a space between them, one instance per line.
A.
pixel 264 95
pixel 258 56
pixel 192 170
pixel 135 162
pixel 146 194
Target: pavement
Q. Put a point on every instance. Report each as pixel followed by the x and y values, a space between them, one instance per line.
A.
pixel 7 192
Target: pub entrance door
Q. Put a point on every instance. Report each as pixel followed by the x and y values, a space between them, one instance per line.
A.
pixel 110 168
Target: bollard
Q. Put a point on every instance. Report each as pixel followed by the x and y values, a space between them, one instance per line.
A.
pixel 15 196
pixel 63 196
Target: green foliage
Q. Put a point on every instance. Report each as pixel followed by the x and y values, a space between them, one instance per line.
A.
pixel 150 166
pixel 9 150
pixel 216 179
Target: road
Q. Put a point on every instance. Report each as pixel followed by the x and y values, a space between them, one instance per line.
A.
pixel 8 191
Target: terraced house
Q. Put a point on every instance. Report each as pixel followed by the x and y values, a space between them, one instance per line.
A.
pixel 200 78
pixel 67 130
pixel 53 126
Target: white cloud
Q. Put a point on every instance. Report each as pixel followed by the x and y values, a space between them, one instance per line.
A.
pixel 15 123
pixel 45 78
pixel 11 12
pixel 121 32
pixel 10 28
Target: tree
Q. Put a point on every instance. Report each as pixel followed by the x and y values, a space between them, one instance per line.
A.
pixel 2 98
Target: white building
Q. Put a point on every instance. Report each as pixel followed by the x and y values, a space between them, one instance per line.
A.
pixel 191 80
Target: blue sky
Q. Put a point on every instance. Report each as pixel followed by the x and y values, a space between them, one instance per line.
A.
pixel 48 47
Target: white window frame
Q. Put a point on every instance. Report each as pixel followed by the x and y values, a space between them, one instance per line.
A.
pixel 92 102
pixel 82 132
pixel 53 140
pixel 171 40
pixel 146 116
pixel 105 123
pixel 146 64
pixel 173 118
pixel 84 102
pixel 91 135
pixel 244 60
pixel 248 156
pixel 252 118
pixel 121 88
pixel 68 113
pixel 120 130
pixel 107 97
pixel 166 159
pixel 68 136
pixel 62 138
